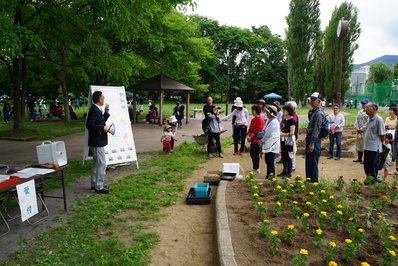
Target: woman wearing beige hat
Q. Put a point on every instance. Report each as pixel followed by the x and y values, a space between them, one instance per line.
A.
pixel 240 126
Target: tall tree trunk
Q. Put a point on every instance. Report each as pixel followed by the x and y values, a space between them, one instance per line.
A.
pixel 19 105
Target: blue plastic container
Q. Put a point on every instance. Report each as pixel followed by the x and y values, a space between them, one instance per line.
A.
pixel 201 189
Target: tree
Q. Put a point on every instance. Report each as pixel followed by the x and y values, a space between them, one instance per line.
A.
pixel 329 62
pixel 379 73
pixel 395 71
pixel 302 41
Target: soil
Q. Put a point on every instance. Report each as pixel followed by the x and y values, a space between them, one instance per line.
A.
pixel 187 232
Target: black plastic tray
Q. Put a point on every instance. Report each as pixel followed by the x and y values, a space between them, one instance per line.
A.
pixel 193 200
pixel 227 176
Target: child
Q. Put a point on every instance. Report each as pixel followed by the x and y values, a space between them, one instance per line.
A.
pixel 388 138
pixel 166 139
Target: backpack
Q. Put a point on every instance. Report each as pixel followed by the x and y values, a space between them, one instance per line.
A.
pixel 324 132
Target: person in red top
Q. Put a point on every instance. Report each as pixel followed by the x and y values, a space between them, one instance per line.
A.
pixel 256 125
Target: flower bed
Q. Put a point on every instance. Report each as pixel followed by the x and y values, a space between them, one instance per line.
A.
pixel 343 222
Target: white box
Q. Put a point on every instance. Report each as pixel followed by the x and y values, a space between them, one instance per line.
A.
pixel 52 153
pixel 231 168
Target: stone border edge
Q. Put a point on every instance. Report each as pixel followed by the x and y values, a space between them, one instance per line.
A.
pixel 224 242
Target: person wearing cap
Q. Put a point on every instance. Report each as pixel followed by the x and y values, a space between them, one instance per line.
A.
pixel 166 138
pixel 263 114
pixel 214 131
pixel 360 126
pixel 270 143
pixel 373 140
pixel 173 122
pixel 97 140
pixel 234 117
pixel 336 121
pixel 312 140
pixel 240 126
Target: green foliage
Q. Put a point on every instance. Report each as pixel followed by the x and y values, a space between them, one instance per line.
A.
pixel 328 63
pixel 379 73
pixel 303 38
pixel 245 63
pixel 395 71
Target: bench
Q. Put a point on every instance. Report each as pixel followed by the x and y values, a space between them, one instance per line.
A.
pixel 165 118
pixel 197 113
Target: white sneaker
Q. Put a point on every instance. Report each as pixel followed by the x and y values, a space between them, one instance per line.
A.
pixel 393 172
pixel 255 171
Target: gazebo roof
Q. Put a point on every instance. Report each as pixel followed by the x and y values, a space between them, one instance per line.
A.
pixel 160 82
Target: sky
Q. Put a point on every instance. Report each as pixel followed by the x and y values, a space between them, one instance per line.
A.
pixel 378 20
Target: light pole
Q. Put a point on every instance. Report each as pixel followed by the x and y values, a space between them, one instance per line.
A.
pixel 342 31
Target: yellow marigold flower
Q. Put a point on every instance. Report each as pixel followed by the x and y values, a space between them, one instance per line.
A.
pixel 266 221
pixel 295 202
pixel 392 238
pixel 273 179
pixel 271 174
pixel 331 197
pixel 247 176
pixel 315 184
pixel 361 230
pixel 297 175
pixel 324 213
pixel 299 181
pixel 278 203
pixel 332 244
pixel 365 264
pixel 308 203
pixel 308 178
pixel 322 191
pixel 251 173
pixel 303 251
pixel 302 186
pixel 274 233
pixel 260 183
pixel 392 252
pixel 350 219
pixel 291 185
pixel 340 212
pixel 284 190
pixel 278 187
pixel 324 201
pixel 311 193
pixel 287 178
pixel 290 227
pixel 319 231
pixel 255 195
pixel 306 214
pixel 339 206
pixel 260 203
pixel 255 187
pixel 332 263
pixel 348 241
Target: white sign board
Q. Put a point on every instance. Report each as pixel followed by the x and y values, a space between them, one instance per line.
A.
pixel 120 148
pixel 27 199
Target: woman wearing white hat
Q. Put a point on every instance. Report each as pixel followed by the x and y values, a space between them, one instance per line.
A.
pixel 240 126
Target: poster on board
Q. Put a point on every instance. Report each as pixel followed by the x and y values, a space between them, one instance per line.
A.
pixel 120 148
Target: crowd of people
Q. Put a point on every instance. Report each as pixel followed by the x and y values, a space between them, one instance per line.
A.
pixel 273 132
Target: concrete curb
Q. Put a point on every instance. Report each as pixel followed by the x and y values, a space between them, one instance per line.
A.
pixel 224 242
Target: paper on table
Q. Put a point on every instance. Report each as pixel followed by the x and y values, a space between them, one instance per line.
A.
pixel 4 178
pixel 29 172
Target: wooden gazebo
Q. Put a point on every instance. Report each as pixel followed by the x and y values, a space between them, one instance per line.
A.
pixel 161 83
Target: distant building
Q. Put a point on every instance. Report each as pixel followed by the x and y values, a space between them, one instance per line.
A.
pixel 358 81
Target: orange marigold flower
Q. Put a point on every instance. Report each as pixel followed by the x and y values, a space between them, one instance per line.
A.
pixel 384 197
